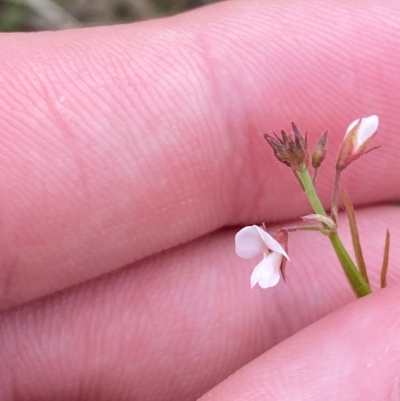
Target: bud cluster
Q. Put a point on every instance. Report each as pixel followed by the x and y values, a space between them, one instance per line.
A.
pixel 293 150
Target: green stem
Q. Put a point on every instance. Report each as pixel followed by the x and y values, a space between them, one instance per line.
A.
pixel 357 282
pixel 306 228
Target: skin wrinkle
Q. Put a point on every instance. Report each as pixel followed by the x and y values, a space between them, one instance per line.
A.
pixel 197 166
pixel 173 159
pixel 71 141
pixel 223 150
pixel 35 144
pixel 229 149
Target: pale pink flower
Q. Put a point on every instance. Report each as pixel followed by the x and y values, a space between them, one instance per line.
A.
pixel 253 240
pixel 358 140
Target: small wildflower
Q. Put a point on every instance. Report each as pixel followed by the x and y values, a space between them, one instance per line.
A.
pixel 357 140
pixel 253 240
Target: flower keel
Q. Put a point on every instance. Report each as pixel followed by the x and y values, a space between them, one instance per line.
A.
pixel 267 273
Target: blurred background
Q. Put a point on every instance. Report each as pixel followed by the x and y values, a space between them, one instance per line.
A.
pixel 38 15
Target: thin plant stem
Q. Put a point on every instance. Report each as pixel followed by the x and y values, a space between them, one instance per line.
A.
pixel 307 228
pixel 335 196
pixel 357 282
pixel 298 178
pixel 385 261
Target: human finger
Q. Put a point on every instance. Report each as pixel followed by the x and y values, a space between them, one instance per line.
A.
pixel 349 355
pixel 174 325
pixel 119 142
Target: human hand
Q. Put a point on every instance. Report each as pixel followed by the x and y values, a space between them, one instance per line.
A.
pixel 135 146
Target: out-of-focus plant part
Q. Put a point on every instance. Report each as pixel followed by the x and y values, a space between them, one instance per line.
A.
pixel 36 15
pixel 13 16
pixel 385 263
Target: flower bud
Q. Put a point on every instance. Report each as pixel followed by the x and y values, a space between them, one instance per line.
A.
pixel 320 150
pixel 279 149
pixel 288 150
pixel 300 156
pixel 357 140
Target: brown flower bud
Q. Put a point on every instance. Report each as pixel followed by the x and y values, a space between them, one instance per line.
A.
pixel 290 151
pixel 278 148
pixel 319 153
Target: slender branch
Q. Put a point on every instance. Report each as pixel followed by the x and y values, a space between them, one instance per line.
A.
pixel 310 192
pixel 385 260
pixel 335 197
pixel 357 282
pixel 308 228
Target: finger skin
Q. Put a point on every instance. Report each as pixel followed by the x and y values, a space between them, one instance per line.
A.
pixel 119 142
pixel 351 355
pixel 175 325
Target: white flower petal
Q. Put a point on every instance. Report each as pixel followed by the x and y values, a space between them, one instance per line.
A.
pixel 351 126
pixel 272 243
pixel 267 272
pixel 368 127
pixel 252 240
pixel 249 243
pixel 257 272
